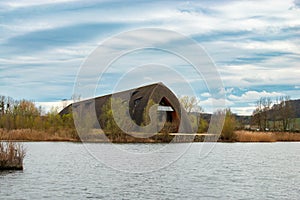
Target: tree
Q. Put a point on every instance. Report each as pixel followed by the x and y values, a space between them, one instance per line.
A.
pixel 190 104
pixel 266 103
pixel 261 113
pixel 24 114
pixel 2 103
pixel 286 112
pixel 281 111
pixel 203 126
pixel 274 114
pixel 228 133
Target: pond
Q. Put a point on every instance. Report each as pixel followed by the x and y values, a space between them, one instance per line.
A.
pixel 58 170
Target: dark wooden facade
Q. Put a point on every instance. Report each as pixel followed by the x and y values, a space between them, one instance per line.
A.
pixel 137 100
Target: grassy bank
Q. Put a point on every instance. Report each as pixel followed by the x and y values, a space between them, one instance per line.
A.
pixel 249 136
pixel 64 135
pixel 35 135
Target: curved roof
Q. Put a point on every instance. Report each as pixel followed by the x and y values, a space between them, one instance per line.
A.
pixel 138 99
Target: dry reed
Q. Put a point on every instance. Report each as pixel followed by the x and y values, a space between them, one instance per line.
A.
pixel 11 155
pixel 34 135
pixel 249 136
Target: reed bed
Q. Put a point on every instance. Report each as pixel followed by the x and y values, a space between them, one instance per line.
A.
pixel 35 135
pixel 252 136
pixel 11 156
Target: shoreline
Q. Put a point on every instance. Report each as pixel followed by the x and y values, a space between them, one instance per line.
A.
pixel 242 136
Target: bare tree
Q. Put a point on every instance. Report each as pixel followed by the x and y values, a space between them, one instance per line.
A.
pixel 286 112
pixel 194 110
pixel 266 103
pixel 261 113
pixel 281 111
pixel 190 104
pixel 2 103
pixel 275 114
pixel 257 114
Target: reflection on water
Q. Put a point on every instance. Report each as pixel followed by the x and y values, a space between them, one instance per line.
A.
pixel 239 171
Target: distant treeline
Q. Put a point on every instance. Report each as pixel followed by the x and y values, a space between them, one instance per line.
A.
pixel 276 115
pixel 25 114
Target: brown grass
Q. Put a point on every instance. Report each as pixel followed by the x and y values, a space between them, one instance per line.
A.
pixel 64 135
pixel 34 135
pixel 248 136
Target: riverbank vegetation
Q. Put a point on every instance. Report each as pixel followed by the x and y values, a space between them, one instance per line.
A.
pixel 275 115
pixel 24 121
pixel 255 136
pixel 228 131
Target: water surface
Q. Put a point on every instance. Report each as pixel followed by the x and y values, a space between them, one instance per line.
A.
pixel 230 171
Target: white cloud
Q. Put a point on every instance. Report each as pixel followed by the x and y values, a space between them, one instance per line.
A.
pixel 237 15
pixel 251 96
pixel 286 46
pixel 247 110
pixel 222 103
pixel 283 71
pixel 231 16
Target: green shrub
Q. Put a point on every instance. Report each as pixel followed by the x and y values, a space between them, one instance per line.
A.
pixel 228 133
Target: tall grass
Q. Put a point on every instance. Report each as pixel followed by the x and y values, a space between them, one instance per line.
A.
pixel 36 135
pixel 248 136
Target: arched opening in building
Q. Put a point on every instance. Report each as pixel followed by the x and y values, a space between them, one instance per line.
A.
pixel 165 109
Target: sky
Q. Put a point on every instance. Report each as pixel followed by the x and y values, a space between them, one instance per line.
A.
pixel 254 45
